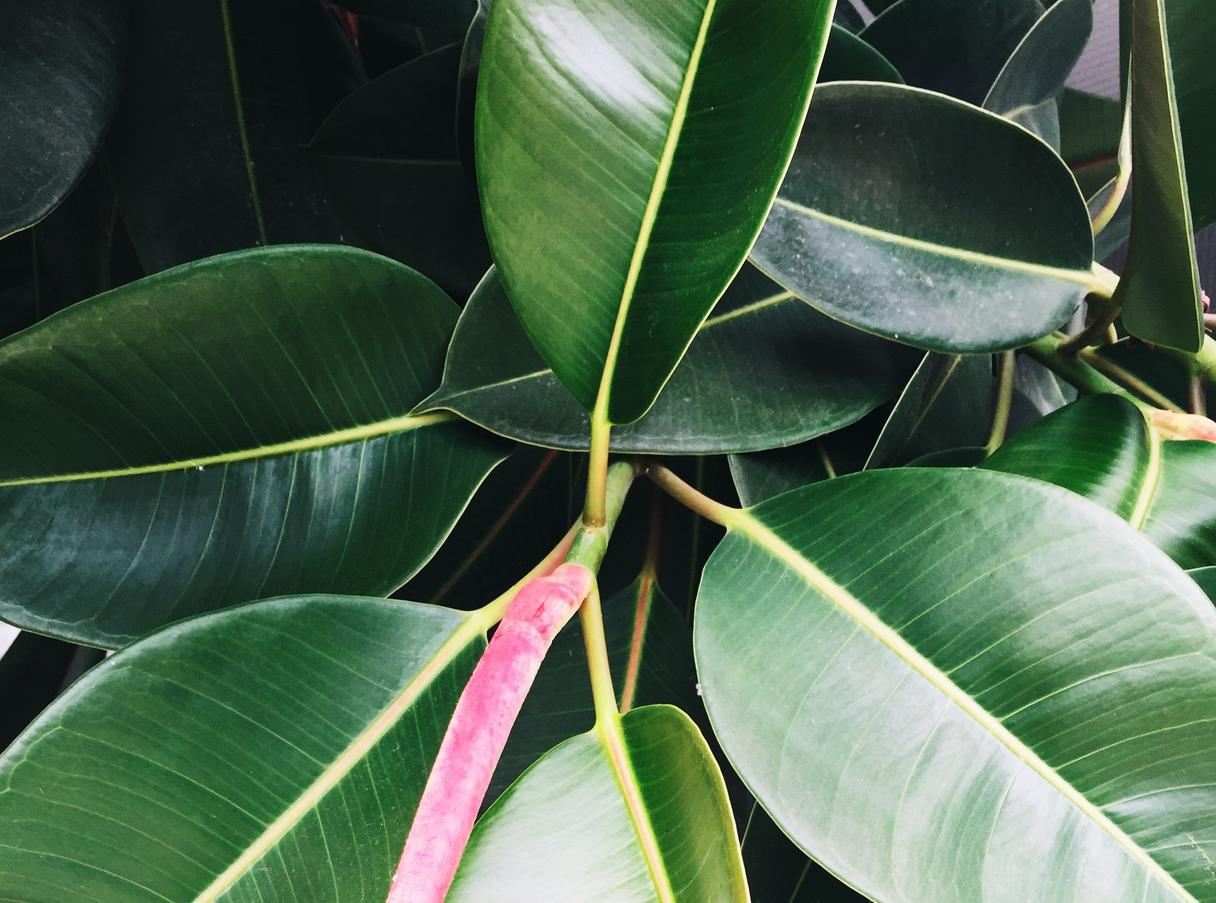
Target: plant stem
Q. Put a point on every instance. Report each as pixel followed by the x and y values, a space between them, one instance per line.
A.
pixel 1201 364
pixel 690 498
pixel 491 613
pixel 1127 379
pixel 1104 216
pixel 1098 329
pixel 1006 369
pixel 594 508
pixel 591 543
pixel 603 692
pixel 1076 370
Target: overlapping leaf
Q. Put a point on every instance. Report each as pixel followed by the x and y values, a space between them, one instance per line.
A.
pixel 567 831
pixel 232 429
pixel 1002 692
pixel 766 370
pixel 603 136
pixel 61 65
pixel 1101 447
pixel 889 219
pixel 272 751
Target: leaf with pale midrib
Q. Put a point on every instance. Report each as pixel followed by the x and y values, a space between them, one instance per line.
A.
pixel 603 132
pixel 272 751
pixel 232 429
pixel 1002 691
pixel 765 370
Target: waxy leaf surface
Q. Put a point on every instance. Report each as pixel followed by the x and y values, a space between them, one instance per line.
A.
pixel 612 138
pixel 765 370
pixel 61 64
pixel 229 430
pixel 563 831
pixel 1101 447
pixel 889 219
pixel 959 685
pixel 275 751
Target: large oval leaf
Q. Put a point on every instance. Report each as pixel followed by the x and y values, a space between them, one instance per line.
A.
pixel 564 830
pixel 890 219
pixel 957 47
pixel 766 370
pixel 1101 447
pixel 966 686
pixel 1159 291
pixel 232 429
pixel 208 149
pixel 61 63
pixel 273 751
pixel 612 139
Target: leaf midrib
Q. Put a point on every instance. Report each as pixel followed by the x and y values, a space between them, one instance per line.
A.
pixel 470 628
pixel 309 443
pixel 750 527
pixel 1079 277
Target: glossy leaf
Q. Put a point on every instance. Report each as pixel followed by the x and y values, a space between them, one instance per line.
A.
pixel 602 137
pixel 957 47
pixel 849 58
pixel 388 154
pixel 149 779
pixel 650 652
pixel 208 149
pixel 1159 291
pixel 1101 447
pixel 1034 75
pixel 860 228
pixel 235 428
pixel 1090 129
pixel 1057 744
pixel 563 831
pixel 1205 578
pixel 946 403
pixel 765 370
pixel 61 64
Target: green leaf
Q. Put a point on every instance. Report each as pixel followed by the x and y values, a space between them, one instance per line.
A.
pixel 849 58
pixel 766 370
pixel 273 751
pixel 220 99
pixel 1090 130
pixel 1034 75
pixel 1159 291
pixel 564 831
pixel 405 189
pixel 650 653
pixel 1205 578
pixel 1101 447
pixel 957 47
pixel 1191 29
pixel 947 403
pixel 60 68
pixel 232 429
pixel 603 136
pixel 959 685
pixel 889 219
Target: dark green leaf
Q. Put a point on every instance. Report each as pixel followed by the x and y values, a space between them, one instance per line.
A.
pixel 964 686
pixel 1034 76
pixel 947 403
pixel 388 153
pixel 1101 447
pixel 603 136
pixel 61 63
pixel 209 145
pixel 890 219
pixel 957 47
pixel 232 429
pixel 1090 128
pixel 1159 291
pixel 849 58
pixel 766 370
pixel 274 751
pixel 564 831
pixel 454 14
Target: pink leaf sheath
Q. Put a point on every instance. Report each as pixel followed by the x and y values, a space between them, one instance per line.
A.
pixel 478 731
pixel 1172 425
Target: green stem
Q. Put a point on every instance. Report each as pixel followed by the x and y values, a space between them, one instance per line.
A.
pixel 1123 179
pixel 1201 364
pixel 1047 351
pixel 691 498
pixel 1007 366
pixel 595 507
pixel 591 543
pixel 1098 330
pixel 603 692
pixel 1127 379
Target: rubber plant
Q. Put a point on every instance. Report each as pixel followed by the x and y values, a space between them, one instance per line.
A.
pixel 606 450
